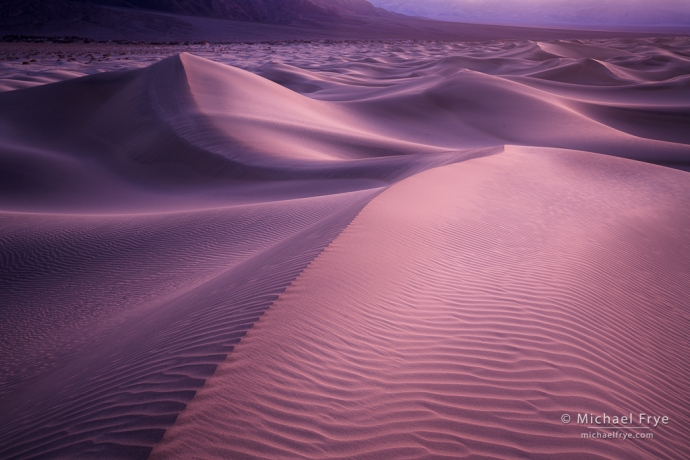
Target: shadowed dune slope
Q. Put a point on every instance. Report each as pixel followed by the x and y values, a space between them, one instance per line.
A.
pixel 461 313
pixel 112 322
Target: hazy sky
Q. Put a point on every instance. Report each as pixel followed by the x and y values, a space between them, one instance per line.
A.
pixel 586 12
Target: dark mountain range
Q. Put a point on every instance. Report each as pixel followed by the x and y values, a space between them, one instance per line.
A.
pixel 263 11
pixel 240 20
pixel 271 11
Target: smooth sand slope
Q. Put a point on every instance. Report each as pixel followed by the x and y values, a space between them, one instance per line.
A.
pixel 461 313
pixel 498 251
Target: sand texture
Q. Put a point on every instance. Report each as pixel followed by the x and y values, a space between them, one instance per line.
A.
pixel 355 250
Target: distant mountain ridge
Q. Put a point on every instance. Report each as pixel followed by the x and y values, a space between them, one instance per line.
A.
pixel 268 11
pixel 548 12
pixel 155 20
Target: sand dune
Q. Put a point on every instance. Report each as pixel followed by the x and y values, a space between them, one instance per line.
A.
pixel 455 243
pixel 577 49
pixel 456 317
pixel 185 122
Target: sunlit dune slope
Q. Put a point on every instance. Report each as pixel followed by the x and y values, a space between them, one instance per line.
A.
pixel 461 313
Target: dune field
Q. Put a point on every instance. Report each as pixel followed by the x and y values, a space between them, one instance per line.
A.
pixel 353 250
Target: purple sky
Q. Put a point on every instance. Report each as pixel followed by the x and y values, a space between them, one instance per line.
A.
pixel 619 13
